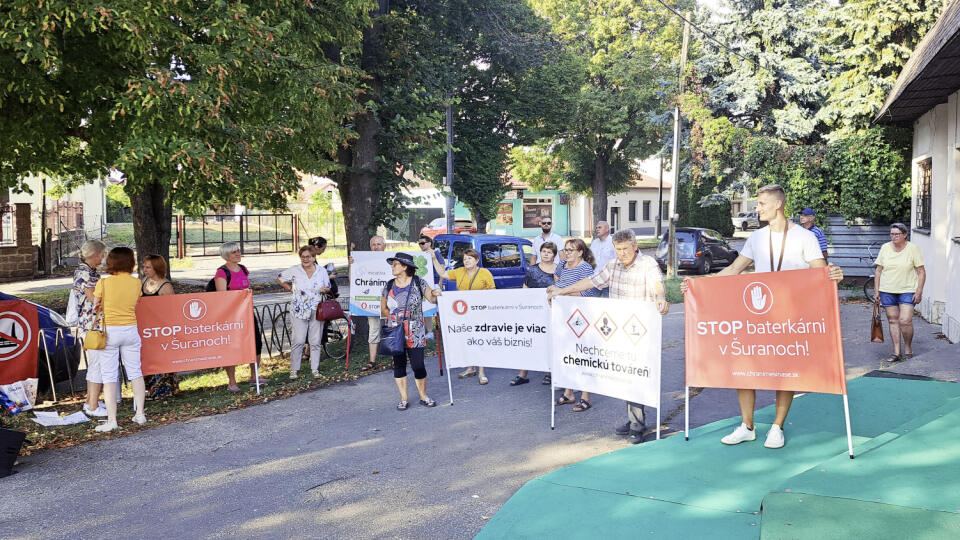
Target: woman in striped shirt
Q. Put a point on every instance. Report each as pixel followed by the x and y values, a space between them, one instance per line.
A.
pixel 578 265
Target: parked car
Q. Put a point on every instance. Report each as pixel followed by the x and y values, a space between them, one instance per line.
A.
pixel 698 249
pixel 746 220
pixel 439 226
pixel 506 257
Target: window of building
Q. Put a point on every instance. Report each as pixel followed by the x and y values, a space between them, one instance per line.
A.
pixel 665 215
pixel 632 212
pixel 646 210
pixel 923 194
pixel 535 208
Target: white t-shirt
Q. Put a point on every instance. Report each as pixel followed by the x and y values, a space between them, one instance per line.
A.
pixel 603 251
pixel 801 249
pixel 539 241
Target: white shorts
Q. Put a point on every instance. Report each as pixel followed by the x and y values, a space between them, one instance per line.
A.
pixel 123 343
pixel 93 367
pixel 374 334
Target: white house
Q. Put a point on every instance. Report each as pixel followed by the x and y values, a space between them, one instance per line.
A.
pixel 635 208
pixel 927 96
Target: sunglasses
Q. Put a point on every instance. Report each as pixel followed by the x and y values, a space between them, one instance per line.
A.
pixel 423 243
pixel 546 223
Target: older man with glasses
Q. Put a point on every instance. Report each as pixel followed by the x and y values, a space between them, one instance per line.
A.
pixel 546 225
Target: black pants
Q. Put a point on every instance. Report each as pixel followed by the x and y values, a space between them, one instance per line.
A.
pixel 416 363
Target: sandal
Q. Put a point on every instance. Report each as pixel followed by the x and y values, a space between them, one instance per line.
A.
pixel 368 367
pixel 547 381
pixel 582 406
pixel 518 380
pixel 402 406
pixel 467 373
pixel 484 380
pixel 893 358
pixel 906 356
pixel 564 400
pixel 428 402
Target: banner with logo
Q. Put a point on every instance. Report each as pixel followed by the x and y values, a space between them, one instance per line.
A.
pixel 767 331
pixel 504 328
pixel 369 272
pixel 607 346
pixel 18 341
pixel 183 332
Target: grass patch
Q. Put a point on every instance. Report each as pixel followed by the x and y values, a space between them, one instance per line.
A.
pixel 646 243
pixel 55 299
pixel 119 234
pixel 202 393
pixel 674 296
pixel 185 263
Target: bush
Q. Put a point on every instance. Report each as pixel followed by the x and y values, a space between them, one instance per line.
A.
pixel 700 206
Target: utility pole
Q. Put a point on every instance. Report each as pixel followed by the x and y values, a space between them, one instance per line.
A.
pixel 672 269
pixel 659 226
pixel 448 183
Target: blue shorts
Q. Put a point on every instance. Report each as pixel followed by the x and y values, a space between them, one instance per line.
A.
pixel 893 299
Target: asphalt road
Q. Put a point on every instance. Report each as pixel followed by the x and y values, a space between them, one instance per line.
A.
pixel 340 462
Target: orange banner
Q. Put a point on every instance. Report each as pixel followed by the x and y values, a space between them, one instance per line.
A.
pixel 766 331
pixel 184 332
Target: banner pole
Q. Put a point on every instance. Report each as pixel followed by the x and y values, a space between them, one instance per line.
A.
pixel 449 385
pixel 43 340
pixel 436 337
pixel 553 405
pixel 846 415
pixel 349 335
pixel 256 374
pixel 658 419
pixel 686 414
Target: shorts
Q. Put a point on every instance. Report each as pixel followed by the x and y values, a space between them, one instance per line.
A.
pixel 373 336
pixel 123 343
pixel 894 299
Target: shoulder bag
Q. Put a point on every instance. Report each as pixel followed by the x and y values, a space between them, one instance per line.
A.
pixel 96 340
pixel 330 310
pixel 876 324
pixel 393 339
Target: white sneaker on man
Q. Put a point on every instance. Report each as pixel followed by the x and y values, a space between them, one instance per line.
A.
pixel 739 435
pixel 100 410
pixel 775 437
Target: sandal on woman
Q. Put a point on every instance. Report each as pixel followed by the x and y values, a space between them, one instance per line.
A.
pixel 484 380
pixel 893 358
pixel 547 381
pixel 402 406
pixel 564 400
pixel 467 373
pixel 518 380
pixel 906 356
pixel 368 367
pixel 582 406
pixel 428 402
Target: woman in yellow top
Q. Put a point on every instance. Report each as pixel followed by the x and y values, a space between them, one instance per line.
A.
pixel 116 297
pixel 470 277
pixel 898 287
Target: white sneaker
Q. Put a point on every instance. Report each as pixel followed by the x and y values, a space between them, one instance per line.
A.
pixel 100 411
pixel 140 419
pixel 775 437
pixel 106 426
pixel 739 435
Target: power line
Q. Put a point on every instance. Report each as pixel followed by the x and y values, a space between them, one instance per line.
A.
pixel 705 33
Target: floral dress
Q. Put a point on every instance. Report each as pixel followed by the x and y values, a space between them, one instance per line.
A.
pixel 412 318
pixel 84 278
pixel 306 290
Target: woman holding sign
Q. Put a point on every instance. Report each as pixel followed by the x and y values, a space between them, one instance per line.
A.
pixel 308 282
pixel 539 276
pixel 469 277
pixel 402 303
pixel 578 265
pixel 898 287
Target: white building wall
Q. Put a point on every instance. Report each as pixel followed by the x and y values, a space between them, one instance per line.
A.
pixel 91 195
pixel 936 138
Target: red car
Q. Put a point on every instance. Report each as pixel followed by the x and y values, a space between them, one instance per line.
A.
pixel 439 226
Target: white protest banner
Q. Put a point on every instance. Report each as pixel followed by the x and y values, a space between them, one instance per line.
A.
pixel 370 272
pixel 504 328
pixel 607 346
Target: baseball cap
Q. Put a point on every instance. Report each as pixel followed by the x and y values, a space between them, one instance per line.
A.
pixel 807 212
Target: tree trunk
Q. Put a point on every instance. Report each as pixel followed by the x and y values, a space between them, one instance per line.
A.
pixel 358 181
pixel 481 223
pixel 152 210
pixel 599 189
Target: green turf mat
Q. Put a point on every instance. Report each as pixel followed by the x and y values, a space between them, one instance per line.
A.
pixel 793 516
pixel 918 467
pixel 543 510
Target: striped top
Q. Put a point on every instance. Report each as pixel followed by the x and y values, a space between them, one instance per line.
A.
pixel 569 276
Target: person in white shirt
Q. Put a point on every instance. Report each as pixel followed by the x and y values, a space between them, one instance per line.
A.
pixel 309 283
pixel 546 225
pixel 781 245
pixel 602 245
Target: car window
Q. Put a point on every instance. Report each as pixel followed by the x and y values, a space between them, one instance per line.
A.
pixel 714 235
pixel 458 249
pixel 443 246
pixel 501 256
pixel 685 236
pixel 437 223
pixel 528 252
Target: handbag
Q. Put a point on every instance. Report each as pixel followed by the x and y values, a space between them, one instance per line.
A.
pixel 329 310
pixel 876 324
pixel 96 340
pixel 393 339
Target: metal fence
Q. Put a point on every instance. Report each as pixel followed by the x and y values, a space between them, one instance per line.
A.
pixel 256 233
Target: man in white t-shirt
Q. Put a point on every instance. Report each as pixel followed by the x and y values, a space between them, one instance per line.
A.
pixel 546 225
pixel 602 245
pixel 781 245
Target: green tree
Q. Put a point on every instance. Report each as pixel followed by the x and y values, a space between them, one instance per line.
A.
pixel 194 101
pixel 873 40
pixel 622 53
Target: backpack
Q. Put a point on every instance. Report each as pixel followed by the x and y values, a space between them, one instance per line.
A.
pixel 212 284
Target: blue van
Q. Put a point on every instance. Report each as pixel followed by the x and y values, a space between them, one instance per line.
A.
pixel 506 257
